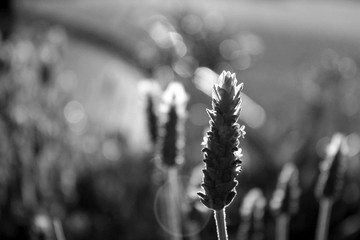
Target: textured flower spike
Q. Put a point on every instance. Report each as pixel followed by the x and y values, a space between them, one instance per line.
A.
pixel 172 138
pixel 221 152
pixel 286 196
pixel 332 169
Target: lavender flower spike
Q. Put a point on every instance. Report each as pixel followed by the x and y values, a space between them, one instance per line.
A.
pixel 332 169
pixel 222 152
pixel 151 90
pixel 285 199
pixel 172 142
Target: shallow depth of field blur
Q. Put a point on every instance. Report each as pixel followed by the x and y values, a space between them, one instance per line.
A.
pixel 74 140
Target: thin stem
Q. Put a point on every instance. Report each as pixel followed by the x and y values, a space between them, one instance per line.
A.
pixel 173 204
pixel 221 224
pixel 58 229
pixel 282 225
pixel 324 218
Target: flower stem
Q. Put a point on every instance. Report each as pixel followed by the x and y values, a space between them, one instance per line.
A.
pixel 221 224
pixel 173 203
pixel 324 218
pixel 58 229
pixel 282 225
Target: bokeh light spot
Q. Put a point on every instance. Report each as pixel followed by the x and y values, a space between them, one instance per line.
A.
pixel 75 115
pixel 228 49
pixel 321 146
pixel 192 24
pixel 353 141
pixel 74 112
pixel 111 151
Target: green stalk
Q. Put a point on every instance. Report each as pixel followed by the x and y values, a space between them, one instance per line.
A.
pixel 322 229
pixel 282 225
pixel 221 224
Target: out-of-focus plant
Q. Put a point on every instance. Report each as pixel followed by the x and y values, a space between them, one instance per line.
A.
pixel 285 200
pixel 151 90
pixel 7 19
pixel 32 123
pixel 221 152
pixel 330 183
pixel 170 153
pixel 252 213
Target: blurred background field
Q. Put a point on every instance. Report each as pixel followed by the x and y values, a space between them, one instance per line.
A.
pixel 75 146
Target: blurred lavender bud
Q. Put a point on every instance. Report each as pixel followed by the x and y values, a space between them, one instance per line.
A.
pixel 4 65
pixel 152 119
pixel 37 140
pixel 222 153
pixel 332 169
pixel 252 213
pixel 58 38
pixel 286 196
pixel 151 90
pixel 171 133
pixel 45 73
pixel 48 57
pixel 253 204
pixel 42 226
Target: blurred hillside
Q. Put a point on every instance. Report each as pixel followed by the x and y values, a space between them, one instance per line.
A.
pixel 295 34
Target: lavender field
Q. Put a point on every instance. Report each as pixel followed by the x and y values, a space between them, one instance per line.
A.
pixel 105 133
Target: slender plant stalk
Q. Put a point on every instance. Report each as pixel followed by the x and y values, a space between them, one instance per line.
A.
pixel 58 229
pixel 221 224
pixel 173 203
pixel 192 229
pixel 282 226
pixel 322 229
